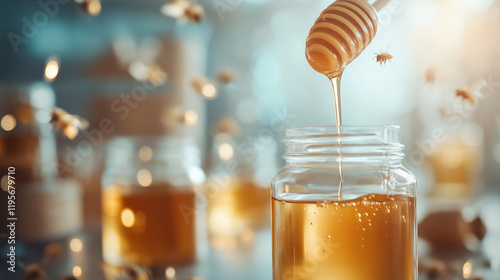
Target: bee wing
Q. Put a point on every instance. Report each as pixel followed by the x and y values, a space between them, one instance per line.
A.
pixel 389 47
pixel 80 122
pixel 73 120
pixel 56 126
pixel 59 111
pixel 174 10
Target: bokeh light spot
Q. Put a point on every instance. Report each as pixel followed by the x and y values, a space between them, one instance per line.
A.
pixel 145 153
pixel 128 217
pixel 76 245
pixel 190 117
pixel 226 152
pixel 94 7
pixel 209 91
pixel 170 272
pixel 144 178
pixel 77 271
pixel 8 122
pixel 51 69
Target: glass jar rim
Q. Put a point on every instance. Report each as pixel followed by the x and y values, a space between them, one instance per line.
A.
pixel 332 130
pixel 353 143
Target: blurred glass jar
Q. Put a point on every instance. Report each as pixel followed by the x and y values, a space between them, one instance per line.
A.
pixel 449 149
pixel 455 163
pixel 26 138
pixel 149 214
pixel 320 229
pixel 51 206
pixel 238 190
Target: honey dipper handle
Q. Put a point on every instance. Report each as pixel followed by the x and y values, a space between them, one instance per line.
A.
pixel 379 4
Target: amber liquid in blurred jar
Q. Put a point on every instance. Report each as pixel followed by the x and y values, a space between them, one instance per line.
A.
pixel 148 202
pixel 237 189
pixel 452 165
pixel 455 164
pixel 365 232
pixel 235 210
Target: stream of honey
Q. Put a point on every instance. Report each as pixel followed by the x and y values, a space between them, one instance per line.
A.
pixel 341 32
pixel 338 123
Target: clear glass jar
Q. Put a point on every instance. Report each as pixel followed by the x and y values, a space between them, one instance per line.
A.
pixel 149 214
pixel 369 232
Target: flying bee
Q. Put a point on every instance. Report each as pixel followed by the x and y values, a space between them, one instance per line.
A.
pixel 225 76
pixel 430 75
pixel 35 271
pixel 226 125
pixel 178 115
pixel 194 13
pixel 466 95
pixel 183 10
pixel 67 123
pixel 53 250
pixel 156 75
pixel 383 57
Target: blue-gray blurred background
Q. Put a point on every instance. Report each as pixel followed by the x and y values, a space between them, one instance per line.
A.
pixel 106 53
pixel 262 43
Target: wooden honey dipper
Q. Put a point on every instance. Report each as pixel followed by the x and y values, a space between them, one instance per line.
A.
pixel 340 34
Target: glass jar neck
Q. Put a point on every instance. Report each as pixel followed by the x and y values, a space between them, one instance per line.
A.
pixel 172 151
pixel 354 146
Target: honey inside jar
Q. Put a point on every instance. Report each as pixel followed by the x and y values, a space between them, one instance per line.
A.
pixel 147 226
pixel 370 237
pixel 22 151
